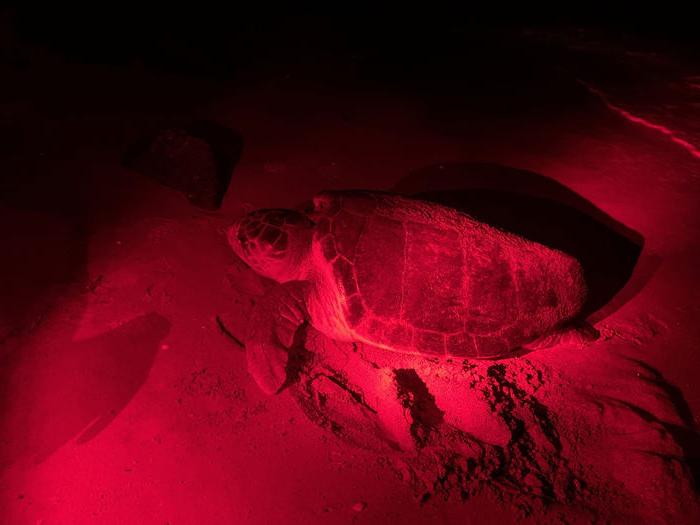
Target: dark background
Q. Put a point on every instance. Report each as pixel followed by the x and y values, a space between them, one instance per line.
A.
pixel 219 42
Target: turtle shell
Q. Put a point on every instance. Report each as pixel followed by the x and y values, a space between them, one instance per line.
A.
pixel 417 277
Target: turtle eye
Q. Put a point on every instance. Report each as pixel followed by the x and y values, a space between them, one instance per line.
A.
pixel 281 243
pixel 274 241
pixel 270 235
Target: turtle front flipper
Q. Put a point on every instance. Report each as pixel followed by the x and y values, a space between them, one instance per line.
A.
pixel 273 326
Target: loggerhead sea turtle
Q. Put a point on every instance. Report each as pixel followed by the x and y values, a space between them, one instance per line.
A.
pixel 400 274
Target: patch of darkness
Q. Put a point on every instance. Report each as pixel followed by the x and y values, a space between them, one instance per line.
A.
pixel 196 159
pixel 542 210
pixel 415 396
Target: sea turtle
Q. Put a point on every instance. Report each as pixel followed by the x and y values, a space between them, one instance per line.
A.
pixel 401 274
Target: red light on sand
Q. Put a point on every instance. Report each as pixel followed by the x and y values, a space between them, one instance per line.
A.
pixel 431 368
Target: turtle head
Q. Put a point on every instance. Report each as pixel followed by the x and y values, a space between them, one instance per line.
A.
pixel 275 243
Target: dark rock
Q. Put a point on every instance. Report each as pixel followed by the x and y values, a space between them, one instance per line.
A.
pixel 197 160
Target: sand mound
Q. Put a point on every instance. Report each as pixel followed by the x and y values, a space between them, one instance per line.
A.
pixel 587 430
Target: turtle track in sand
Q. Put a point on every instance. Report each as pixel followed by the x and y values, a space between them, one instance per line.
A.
pixel 536 434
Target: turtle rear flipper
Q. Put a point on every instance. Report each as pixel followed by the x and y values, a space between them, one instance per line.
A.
pixel 273 326
pixel 579 334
